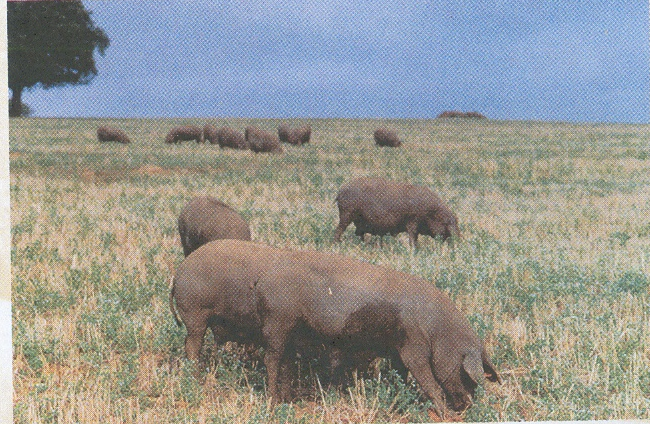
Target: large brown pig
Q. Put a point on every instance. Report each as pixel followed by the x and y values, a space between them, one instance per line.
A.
pixel 261 141
pixel 378 206
pixel 269 296
pixel 185 133
pixel 205 219
pixel 105 133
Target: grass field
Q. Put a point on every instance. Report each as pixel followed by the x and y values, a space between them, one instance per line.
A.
pixel 553 270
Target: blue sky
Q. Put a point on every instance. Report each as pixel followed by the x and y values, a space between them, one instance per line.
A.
pixel 586 61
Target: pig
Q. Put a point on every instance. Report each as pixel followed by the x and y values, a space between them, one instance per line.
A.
pixel 210 134
pixel 283 133
pixel 105 133
pixel 232 139
pixel 379 206
pixel 205 218
pixel 386 137
pixel 185 133
pixel 300 136
pixel 262 141
pixel 272 296
pixel 296 136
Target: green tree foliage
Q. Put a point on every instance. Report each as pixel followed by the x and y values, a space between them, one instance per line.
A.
pixel 50 44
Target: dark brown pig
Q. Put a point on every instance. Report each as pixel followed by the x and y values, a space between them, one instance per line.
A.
pixel 283 133
pixel 105 133
pixel 185 133
pixel 210 134
pixel 205 219
pixel 271 296
pixel 300 136
pixel 232 139
pixel 386 137
pixel 262 141
pixel 296 136
pixel 378 206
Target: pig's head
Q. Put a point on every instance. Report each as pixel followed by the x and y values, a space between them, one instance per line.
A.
pixel 443 223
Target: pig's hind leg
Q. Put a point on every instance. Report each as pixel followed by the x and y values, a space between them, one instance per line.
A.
pixel 196 325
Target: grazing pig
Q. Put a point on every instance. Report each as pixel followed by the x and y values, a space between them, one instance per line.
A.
pixel 300 136
pixel 296 136
pixel 283 133
pixel 262 141
pixel 185 133
pixel 205 219
pixel 378 206
pixel 386 137
pixel 232 139
pixel 210 134
pixel 105 133
pixel 273 296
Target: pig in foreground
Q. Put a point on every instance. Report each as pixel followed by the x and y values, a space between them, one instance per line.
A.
pixel 105 133
pixel 386 137
pixel 273 296
pixel 205 219
pixel 262 141
pixel 185 133
pixel 378 206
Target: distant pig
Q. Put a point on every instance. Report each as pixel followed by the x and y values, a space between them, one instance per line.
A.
pixel 296 136
pixel 274 297
pixel 378 206
pixel 300 136
pixel 386 137
pixel 283 133
pixel 205 219
pixel 227 137
pixel 210 134
pixel 105 133
pixel 185 133
pixel 262 141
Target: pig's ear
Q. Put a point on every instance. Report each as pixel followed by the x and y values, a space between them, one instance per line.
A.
pixel 473 366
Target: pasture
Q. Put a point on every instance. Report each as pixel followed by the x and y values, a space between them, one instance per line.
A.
pixel 553 270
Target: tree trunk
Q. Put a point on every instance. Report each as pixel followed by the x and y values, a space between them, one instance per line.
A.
pixel 16 105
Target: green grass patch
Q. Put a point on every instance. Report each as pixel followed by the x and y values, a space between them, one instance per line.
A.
pixel 552 271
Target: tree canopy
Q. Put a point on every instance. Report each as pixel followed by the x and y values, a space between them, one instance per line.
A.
pixel 50 44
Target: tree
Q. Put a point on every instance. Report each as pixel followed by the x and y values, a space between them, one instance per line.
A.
pixel 51 44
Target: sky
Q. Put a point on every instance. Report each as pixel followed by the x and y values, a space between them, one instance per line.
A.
pixel 582 61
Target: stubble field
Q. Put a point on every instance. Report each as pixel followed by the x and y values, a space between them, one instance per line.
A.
pixel 553 270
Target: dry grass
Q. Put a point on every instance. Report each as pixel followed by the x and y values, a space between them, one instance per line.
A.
pixel 553 270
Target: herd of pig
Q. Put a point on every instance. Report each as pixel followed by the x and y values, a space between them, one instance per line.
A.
pixel 287 300
pixel 253 138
